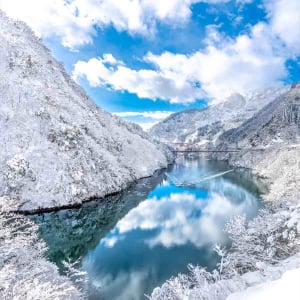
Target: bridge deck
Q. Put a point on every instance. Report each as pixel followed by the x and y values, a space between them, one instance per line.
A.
pixel 214 151
pixel 205 151
pixel 186 149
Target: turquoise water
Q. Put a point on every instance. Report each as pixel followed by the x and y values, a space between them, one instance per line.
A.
pixel 130 243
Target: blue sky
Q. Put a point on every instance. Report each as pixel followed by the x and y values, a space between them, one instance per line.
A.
pixel 157 57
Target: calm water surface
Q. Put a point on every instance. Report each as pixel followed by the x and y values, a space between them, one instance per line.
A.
pixel 130 243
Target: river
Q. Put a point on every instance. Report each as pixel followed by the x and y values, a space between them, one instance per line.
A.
pixel 130 243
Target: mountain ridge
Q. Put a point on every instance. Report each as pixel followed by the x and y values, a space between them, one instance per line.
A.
pixel 59 148
pixel 205 125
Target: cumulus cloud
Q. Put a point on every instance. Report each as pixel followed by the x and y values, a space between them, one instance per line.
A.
pixel 73 21
pixel 149 118
pixel 249 61
pixel 146 126
pixel 224 66
pixel 123 285
pixel 284 18
pixel 245 63
pixel 49 18
pixel 157 115
pixel 145 83
pixel 183 218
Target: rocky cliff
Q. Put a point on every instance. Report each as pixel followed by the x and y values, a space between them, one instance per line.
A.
pixel 57 147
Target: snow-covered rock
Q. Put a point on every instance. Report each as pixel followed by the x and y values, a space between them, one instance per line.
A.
pixel 204 126
pixel 57 147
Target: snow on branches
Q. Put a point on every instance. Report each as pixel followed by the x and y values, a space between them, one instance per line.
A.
pixel 258 246
pixel 25 273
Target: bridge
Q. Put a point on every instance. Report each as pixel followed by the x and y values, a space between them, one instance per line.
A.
pixel 188 148
pixel 204 151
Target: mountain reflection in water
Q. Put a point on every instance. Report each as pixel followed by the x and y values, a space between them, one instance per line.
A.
pixel 133 242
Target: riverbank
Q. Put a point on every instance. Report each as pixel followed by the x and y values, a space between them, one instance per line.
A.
pixel 25 270
pixel 279 166
pixel 278 226
pixel 286 213
pixel 59 148
pixel 130 245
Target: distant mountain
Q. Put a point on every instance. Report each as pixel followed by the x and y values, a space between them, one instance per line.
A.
pixel 57 147
pixel 274 134
pixel 204 126
pixel 277 123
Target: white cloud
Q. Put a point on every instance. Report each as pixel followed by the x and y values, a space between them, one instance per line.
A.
pixel 48 18
pixel 110 241
pixel 145 83
pixel 122 285
pixel 108 58
pixel 285 22
pixel 225 66
pixel 157 115
pixel 247 62
pixel 146 125
pixel 250 61
pixel 182 218
pixel 73 21
pixel 150 117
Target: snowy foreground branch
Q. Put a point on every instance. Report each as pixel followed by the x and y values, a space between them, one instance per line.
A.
pixel 25 273
pixel 261 250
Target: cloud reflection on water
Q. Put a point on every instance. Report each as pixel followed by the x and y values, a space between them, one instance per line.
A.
pixel 173 227
pixel 123 286
pixel 183 218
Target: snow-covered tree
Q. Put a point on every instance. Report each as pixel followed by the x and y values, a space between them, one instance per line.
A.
pixel 25 272
pixel 257 246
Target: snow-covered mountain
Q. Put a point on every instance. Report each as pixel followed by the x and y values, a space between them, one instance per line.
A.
pixel 204 126
pixel 57 147
pixel 275 131
pixel 277 123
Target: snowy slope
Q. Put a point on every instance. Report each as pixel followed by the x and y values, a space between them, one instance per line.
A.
pixel 57 147
pixel 25 272
pixel 205 125
pixel 276 130
pixel 278 122
pixel 256 261
pixel 287 287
